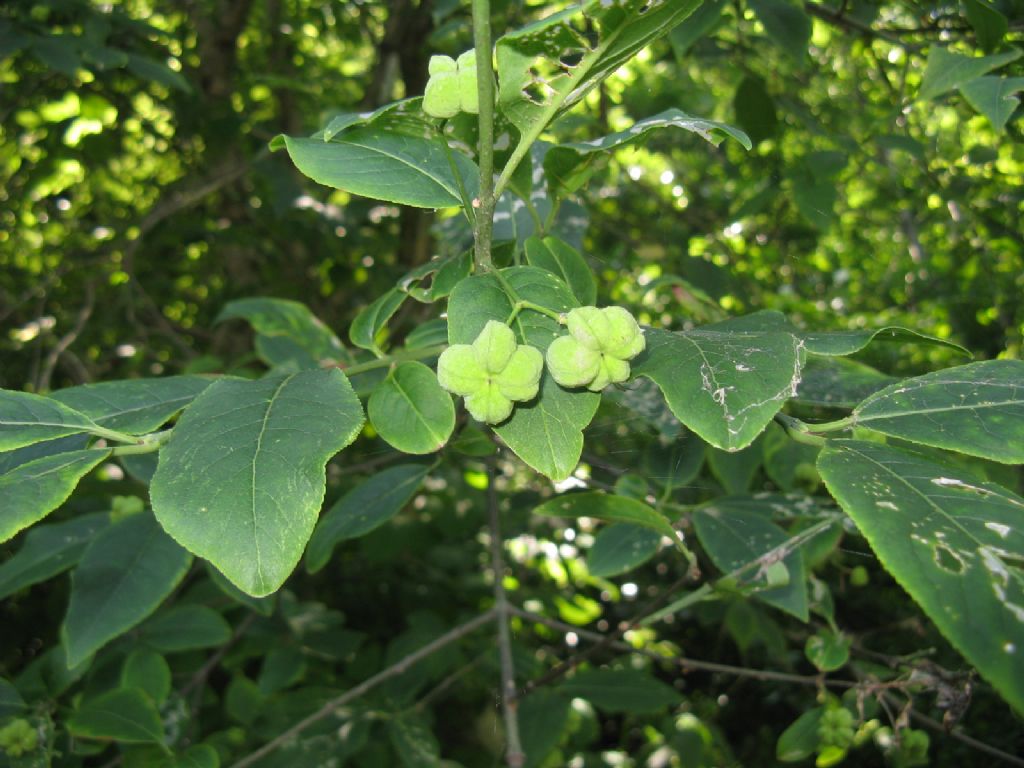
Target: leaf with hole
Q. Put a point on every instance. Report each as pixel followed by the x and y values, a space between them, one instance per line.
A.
pixel 952 542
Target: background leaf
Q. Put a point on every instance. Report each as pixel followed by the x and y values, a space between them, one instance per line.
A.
pixel 620 548
pixel 136 406
pixel 125 715
pixel 946 70
pixel 49 550
pixel 410 410
pixel 124 574
pixel 621 690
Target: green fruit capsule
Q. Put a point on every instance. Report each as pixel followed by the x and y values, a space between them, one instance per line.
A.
pixel 597 350
pixel 452 86
pixel 469 97
pixel 492 373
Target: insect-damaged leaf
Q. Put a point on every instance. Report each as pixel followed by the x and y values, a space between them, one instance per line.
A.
pixel 241 481
pixel 954 543
pixel 546 67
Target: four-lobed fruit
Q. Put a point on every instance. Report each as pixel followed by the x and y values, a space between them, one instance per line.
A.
pixel 18 737
pixel 836 728
pixel 452 86
pixel 491 373
pixel 597 351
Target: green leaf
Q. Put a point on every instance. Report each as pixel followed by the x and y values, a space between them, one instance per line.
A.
pixel 33 490
pixel 26 419
pixel 241 481
pixel 547 432
pixel 124 574
pixel 700 23
pixel 199 756
pixel 157 71
pixel 411 411
pixel 946 71
pixel 134 406
pixel 149 672
pixel 367 506
pixel 786 24
pixel 605 506
pixel 827 650
pixel 569 166
pixel 543 716
pixel 621 690
pixel 49 550
pixel 620 548
pixel 185 628
pixel 724 385
pixel 789 464
pixel 736 470
pixel 546 67
pixel 754 109
pixel 800 740
pixel 989 24
pixel 282 668
pixel 816 200
pixel 414 742
pixel 126 715
pixel 836 382
pixel 976 409
pixel 11 703
pixel 561 259
pixel 994 97
pixel 385 164
pixel 372 318
pixel 734 536
pixel 953 543
pixel 291 322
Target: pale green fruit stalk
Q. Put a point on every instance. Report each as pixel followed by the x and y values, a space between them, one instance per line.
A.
pixel 491 373
pixel 597 350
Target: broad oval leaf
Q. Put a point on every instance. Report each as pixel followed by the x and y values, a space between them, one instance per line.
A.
pixel 134 406
pixel 547 432
pixel 414 741
pixel 976 409
pixel 241 480
pixel 49 550
pixel 734 536
pixel 149 672
pixel 994 96
pixel 725 385
pixel 26 419
pixel 569 166
pixel 33 490
pixel 124 574
pixel 786 23
pixel 125 715
pixel 621 547
pixel 411 411
pixel 309 340
pixel 383 164
pixel 621 690
pixel 606 506
pixel 563 260
pixel 367 506
pixel 185 628
pixel 954 543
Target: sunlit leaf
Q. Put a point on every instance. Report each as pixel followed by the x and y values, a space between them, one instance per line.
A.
pixel 411 411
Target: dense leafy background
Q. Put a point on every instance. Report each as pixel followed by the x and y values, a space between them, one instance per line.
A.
pixel 139 200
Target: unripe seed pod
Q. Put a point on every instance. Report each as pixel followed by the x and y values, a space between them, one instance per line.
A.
pixel 571 364
pixel 625 339
pixel 469 97
pixel 589 326
pixel 494 346
pixel 520 379
pixel 489 405
pixel 441 97
pixel 459 370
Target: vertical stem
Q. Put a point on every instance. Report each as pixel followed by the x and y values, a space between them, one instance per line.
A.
pixel 485 91
pixel 514 756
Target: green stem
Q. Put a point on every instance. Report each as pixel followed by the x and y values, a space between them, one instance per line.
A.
pixel 395 357
pixel 521 305
pixel 467 204
pixel 145 444
pixel 111 434
pixel 798 430
pixel 833 426
pixel 485 91
pixel 707 589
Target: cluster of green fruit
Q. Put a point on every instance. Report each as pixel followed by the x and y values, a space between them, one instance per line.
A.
pixel 18 738
pixel 836 728
pixel 452 86
pixel 495 371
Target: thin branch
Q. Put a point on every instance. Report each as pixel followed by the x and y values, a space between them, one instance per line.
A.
pixel 199 678
pixel 400 666
pixel 514 756
pixel 67 339
pixel 485 154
